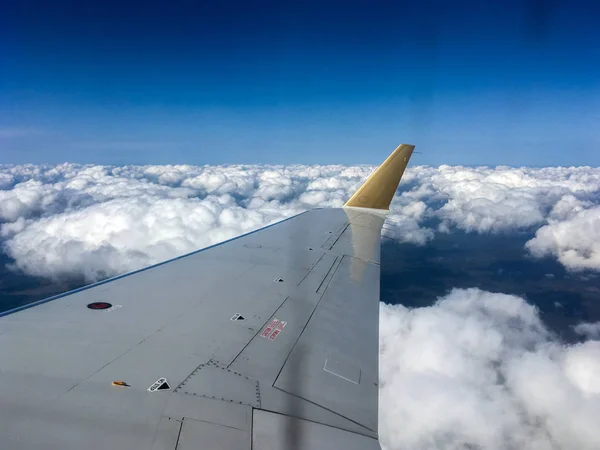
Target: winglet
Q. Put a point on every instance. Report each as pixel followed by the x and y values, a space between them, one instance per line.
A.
pixel 379 189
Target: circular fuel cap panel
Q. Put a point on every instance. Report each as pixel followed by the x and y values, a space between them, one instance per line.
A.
pixel 99 305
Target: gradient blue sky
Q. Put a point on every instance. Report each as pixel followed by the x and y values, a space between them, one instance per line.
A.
pixel 468 82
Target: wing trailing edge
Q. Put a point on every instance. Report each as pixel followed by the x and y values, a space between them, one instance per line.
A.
pixel 379 189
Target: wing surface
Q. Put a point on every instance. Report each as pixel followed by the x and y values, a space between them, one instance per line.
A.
pixel 266 341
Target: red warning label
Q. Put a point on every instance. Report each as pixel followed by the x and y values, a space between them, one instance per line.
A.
pixel 278 330
pixel 269 328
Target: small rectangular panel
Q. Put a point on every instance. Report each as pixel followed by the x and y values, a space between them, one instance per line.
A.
pixel 197 435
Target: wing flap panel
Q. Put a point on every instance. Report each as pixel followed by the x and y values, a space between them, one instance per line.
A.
pixel 172 318
pixel 263 357
pixel 343 329
pixel 204 409
pixel 279 432
pixel 203 435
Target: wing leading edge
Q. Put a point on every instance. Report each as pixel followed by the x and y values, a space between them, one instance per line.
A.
pixel 267 341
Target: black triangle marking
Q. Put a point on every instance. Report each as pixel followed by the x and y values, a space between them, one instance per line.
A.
pixel 240 318
pixel 163 387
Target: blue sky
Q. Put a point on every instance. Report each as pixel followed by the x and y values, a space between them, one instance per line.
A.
pixel 468 82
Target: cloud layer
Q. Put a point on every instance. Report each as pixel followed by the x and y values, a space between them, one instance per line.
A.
pixel 479 370
pixel 97 221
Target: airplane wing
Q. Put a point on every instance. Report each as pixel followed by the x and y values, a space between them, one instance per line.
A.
pixel 265 341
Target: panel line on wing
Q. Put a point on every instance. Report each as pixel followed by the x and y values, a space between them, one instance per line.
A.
pixel 328 277
pixel 330 242
pixel 368 432
pixel 311 269
pixel 322 293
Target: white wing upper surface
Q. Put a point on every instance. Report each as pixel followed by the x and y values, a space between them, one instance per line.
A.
pixel 269 340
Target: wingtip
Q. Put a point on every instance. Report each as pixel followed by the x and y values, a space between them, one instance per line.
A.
pixel 379 189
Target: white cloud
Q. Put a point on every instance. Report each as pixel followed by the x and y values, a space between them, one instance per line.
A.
pixel 480 370
pixel 500 199
pixel 561 203
pixel 589 330
pixel 102 239
pixel 575 242
pixel 568 206
pixel 36 201
pixel 25 199
pixel 98 221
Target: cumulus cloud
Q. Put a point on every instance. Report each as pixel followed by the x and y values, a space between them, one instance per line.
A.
pixel 483 199
pixel 560 203
pixel 98 221
pixel 589 330
pixel 124 234
pixel 403 223
pixel 575 242
pixel 479 370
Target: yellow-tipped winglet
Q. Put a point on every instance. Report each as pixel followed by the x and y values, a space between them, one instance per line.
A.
pixel 379 189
